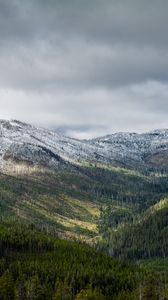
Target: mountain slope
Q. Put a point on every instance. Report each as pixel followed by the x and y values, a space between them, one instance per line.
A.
pixel 144 238
pixel 34 265
pixel 44 198
pixel 68 201
pixel 64 185
pixel 135 149
pixel 23 142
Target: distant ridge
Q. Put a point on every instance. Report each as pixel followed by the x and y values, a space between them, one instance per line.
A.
pixel 20 141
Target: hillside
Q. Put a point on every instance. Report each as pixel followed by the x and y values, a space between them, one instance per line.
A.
pixel 63 184
pixel 68 201
pixel 144 238
pixel 34 265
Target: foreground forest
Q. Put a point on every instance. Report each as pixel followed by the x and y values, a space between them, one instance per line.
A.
pixel 37 266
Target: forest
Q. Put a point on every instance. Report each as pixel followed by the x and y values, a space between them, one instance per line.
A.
pixel 37 266
pixel 90 233
pixel 34 265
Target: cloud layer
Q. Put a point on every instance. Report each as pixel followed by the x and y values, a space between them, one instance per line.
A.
pixel 85 67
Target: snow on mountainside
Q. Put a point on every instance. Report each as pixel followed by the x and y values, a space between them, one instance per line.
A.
pixel 20 141
pixel 23 142
pixel 133 144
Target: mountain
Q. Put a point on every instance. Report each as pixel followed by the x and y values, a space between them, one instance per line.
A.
pixel 132 149
pixel 79 189
pixel 62 183
pixel 105 191
pixel 23 142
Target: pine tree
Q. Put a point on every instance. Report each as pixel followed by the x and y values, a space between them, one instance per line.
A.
pixel 63 291
pixel 20 293
pixel 166 293
pixel 34 289
pixel 151 289
pixel 89 294
pixel 7 288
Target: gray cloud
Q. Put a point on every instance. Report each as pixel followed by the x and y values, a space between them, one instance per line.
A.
pixel 87 67
pixel 108 21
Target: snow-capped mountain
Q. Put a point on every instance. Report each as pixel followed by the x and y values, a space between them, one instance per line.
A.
pixel 23 142
pixel 146 148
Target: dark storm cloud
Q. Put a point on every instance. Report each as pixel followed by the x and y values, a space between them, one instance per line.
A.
pixel 107 21
pixel 73 64
pixel 111 21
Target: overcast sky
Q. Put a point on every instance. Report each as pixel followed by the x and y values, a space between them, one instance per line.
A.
pixel 85 67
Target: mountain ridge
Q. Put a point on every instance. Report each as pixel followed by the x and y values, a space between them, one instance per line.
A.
pixel 24 142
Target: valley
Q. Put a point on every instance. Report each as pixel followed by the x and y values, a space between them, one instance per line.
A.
pixel 108 193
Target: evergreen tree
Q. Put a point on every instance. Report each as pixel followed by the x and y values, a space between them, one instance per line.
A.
pixel 166 293
pixel 90 294
pixel 151 288
pixel 63 291
pixel 20 293
pixel 7 287
pixel 34 289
